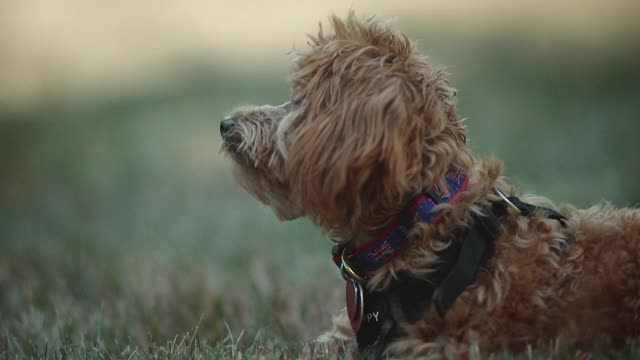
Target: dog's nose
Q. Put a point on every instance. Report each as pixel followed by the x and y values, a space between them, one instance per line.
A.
pixel 226 125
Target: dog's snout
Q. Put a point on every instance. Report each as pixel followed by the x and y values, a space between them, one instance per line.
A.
pixel 226 125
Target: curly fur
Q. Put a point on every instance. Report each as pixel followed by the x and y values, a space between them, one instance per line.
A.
pixel 369 125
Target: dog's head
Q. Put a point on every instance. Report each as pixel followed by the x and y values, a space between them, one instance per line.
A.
pixel 369 125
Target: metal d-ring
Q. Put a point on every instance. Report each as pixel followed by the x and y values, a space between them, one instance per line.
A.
pixel 506 199
pixel 360 291
pixel 346 269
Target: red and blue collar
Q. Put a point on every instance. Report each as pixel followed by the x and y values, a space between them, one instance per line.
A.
pixel 365 260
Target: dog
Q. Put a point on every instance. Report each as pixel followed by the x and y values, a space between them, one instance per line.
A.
pixel 437 252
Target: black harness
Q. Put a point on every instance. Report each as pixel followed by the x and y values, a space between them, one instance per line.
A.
pixel 407 298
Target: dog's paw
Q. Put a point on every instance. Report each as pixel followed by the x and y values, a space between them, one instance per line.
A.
pixel 340 338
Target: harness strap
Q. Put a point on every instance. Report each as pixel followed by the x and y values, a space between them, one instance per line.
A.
pixel 407 298
pixel 475 250
pixel 528 210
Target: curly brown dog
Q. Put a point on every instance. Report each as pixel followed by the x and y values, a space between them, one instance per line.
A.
pixel 435 256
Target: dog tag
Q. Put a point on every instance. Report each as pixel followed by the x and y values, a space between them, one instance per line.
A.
pixel 355 303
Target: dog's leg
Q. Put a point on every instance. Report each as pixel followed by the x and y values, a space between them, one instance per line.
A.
pixel 340 337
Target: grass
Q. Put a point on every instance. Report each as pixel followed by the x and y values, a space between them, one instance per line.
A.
pixel 123 235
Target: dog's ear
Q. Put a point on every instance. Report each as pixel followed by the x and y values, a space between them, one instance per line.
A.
pixel 377 123
pixel 365 148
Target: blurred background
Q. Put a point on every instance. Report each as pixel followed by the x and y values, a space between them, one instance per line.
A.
pixel 120 223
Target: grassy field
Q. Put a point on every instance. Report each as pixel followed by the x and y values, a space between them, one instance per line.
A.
pixel 122 234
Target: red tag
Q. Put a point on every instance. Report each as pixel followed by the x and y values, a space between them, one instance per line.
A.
pixel 355 305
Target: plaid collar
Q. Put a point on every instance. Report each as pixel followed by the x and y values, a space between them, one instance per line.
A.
pixel 365 260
